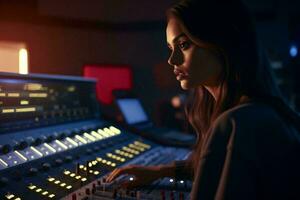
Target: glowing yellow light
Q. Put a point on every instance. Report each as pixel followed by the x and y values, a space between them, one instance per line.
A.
pixel 20 155
pixel 50 179
pixel 38 190
pixel 45 193
pixel 57 182
pixel 83 179
pixel 78 177
pixel 4 163
pixel 95 134
pixel 51 196
pixel 24 102
pixel 31 187
pixel 49 147
pixel 8 110
pixel 96 172
pixel 2 94
pixel 115 130
pixel 69 187
pixel 108 131
pixel 71 141
pixel 18 198
pixel 13 94
pixel 78 137
pixel 36 151
pixel 104 134
pixel 33 86
pixel 31 109
pixel 9 196
pixel 23 61
pixel 63 184
pixel 73 175
pixel 89 137
pixel 61 144
pixel 67 172
pixel 113 164
pixel 38 95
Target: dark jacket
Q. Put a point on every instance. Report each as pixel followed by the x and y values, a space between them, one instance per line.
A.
pixel 252 153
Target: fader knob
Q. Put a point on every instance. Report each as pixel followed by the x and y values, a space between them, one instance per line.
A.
pixel 33 171
pixel 4 149
pixel 21 145
pixel 37 142
pixel 58 162
pixel 3 181
pixel 46 166
pixel 50 138
pixel 61 136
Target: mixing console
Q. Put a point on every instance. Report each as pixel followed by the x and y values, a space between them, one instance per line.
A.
pixel 68 156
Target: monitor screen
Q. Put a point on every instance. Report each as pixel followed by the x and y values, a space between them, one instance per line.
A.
pixel 35 101
pixel 132 110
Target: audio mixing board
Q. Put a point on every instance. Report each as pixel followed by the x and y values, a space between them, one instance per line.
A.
pixel 54 144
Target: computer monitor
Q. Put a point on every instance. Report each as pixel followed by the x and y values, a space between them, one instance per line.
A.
pixel 132 110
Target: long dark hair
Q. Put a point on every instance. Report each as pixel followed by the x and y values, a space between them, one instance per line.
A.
pixel 226 26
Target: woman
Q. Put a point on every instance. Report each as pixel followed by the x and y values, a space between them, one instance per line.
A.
pixel 248 138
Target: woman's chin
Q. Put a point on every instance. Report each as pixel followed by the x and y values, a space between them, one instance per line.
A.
pixel 184 85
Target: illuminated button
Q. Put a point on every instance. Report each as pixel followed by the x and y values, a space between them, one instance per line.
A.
pixel 63 184
pixel 108 131
pixel 57 182
pixel 69 187
pixel 31 187
pixel 96 135
pixel 46 166
pixel 67 172
pixel 38 190
pixel 83 179
pixel 50 179
pixel 91 138
pixel 45 193
pixel 9 196
pixel 51 196
pixel 113 164
pixel 115 130
pixel 82 140
pixel 71 141
pixel 5 148
pixel 62 145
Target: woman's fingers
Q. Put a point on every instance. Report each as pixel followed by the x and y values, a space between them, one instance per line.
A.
pixel 117 172
pixel 131 184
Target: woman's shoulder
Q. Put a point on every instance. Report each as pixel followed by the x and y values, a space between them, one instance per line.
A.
pixel 252 113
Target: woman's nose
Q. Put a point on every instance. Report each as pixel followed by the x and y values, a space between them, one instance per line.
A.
pixel 174 59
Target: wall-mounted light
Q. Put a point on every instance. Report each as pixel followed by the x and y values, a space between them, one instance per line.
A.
pixel 23 61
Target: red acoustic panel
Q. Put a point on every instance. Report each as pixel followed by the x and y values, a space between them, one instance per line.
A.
pixel 110 77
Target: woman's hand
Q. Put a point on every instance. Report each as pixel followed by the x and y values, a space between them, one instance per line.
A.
pixel 143 175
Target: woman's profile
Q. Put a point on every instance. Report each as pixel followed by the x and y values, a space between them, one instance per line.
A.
pixel 248 137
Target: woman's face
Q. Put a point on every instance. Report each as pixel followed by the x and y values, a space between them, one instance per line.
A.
pixel 194 65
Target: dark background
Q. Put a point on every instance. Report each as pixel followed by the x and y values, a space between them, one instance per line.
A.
pixel 64 35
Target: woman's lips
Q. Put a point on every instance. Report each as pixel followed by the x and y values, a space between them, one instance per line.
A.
pixel 180 74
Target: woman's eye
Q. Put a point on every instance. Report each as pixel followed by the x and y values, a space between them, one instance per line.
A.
pixel 183 45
